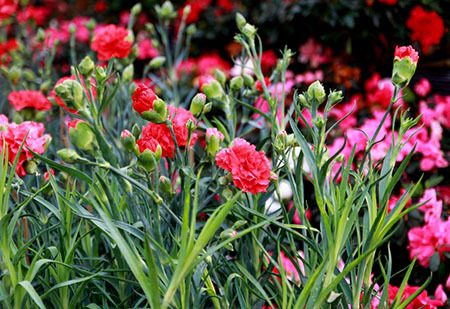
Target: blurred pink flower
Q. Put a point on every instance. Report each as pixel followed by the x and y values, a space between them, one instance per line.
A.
pixel 422 87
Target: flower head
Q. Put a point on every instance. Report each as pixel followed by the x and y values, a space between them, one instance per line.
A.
pixel 111 41
pixel 426 27
pixel 29 98
pixel 250 168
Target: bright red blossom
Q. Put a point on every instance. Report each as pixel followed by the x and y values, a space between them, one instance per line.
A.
pixel 259 86
pixel 7 8
pixel 426 27
pixel 143 98
pixel 406 51
pixel 111 41
pixel 250 168
pixel 29 98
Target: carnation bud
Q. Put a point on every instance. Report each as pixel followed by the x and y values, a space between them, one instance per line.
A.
pixel 227 194
pixel 190 125
pixel 303 101
pixel 155 43
pixel 249 31
pixel 150 28
pixel 45 86
pixel 186 10
pixel 316 92
pixel 69 155
pixel 407 123
pixel 220 76
pixel 166 11
pixel 207 108
pixel 319 121
pixel 157 62
pixel 280 144
pixel 29 75
pixel 136 130
pixel 248 80
pixel 210 87
pixel 100 74
pixel 223 181
pixel 128 140
pixel 82 136
pixel 197 104
pixel 128 73
pixel 148 159
pixel 238 224
pixel 405 63
pixel 31 167
pixel 91 24
pixel 191 30
pixel 228 233
pixel 159 114
pixel 136 9
pixel 236 83
pixel 72 28
pixel 14 75
pixel 40 35
pixel 335 96
pixel 166 185
pixel 71 93
pixel 86 67
pixel 213 140
pixel 240 21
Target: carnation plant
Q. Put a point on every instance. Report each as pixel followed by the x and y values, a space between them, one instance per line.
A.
pixel 134 212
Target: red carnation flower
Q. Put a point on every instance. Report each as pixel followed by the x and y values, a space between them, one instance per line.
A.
pixel 154 134
pixel 426 27
pixel 111 41
pixel 406 51
pixel 143 98
pixel 259 86
pixel 7 8
pixel 62 80
pixel 13 135
pixel 250 168
pixel 29 98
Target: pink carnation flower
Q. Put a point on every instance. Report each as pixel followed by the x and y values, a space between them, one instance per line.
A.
pixel 422 88
pixel 250 168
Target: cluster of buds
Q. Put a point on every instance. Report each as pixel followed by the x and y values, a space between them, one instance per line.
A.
pixel 71 92
pixel 147 159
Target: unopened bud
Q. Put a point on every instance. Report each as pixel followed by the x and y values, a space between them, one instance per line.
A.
pixel 227 194
pixel 223 181
pixel 191 30
pixel 197 104
pixel 68 155
pixel 71 93
pixel 238 224
pixel 100 74
pixel 157 62
pixel 128 73
pixel 31 167
pixel 207 108
pixel 148 159
pixel 166 185
pixel 166 11
pixel 136 9
pixel 82 136
pixel 159 114
pixel 319 121
pixel 249 31
pixel 213 140
pixel 280 144
pixel 220 77
pixel 136 130
pixel 335 96
pixel 236 83
pixel 186 10
pixel 316 92
pixel 228 233
pixel 86 67
pixel 240 21
pixel 128 140
pixel 248 80
pixel 303 101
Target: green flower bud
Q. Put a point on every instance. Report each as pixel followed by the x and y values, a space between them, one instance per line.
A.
pixel 159 114
pixel 157 62
pixel 166 11
pixel 186 10
pixel 136 130
pixel 166 185
pixel 40 35
pixel 91 24
pixel 72 28
pixel 248 80
pixel 148 159
pixel 213 140
pixel 335 97
pixel 220 76
pixel 14 75
pixel 86 67
pixel 280 144
pixel 197 104
pixel 190 125
pixel 236 83
pixel 303 101
pixel 319 121
pixel 240 21
pixel 223 181
pixel 228 233
pixel 29 75
pixel 136 9
pixel 69 155
pixel 405 63
pixel 316 92
pixel 207 108
pixel 227 194
pixel 249 31
pixel 45 86
pixel 82 136
pixel 128 73
pixel 210 87
pixel 238 224
pixel 71 93
pixel 100 74
pixel 31 167
pixel 128 140
pixel 191 30
pixel 150 28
